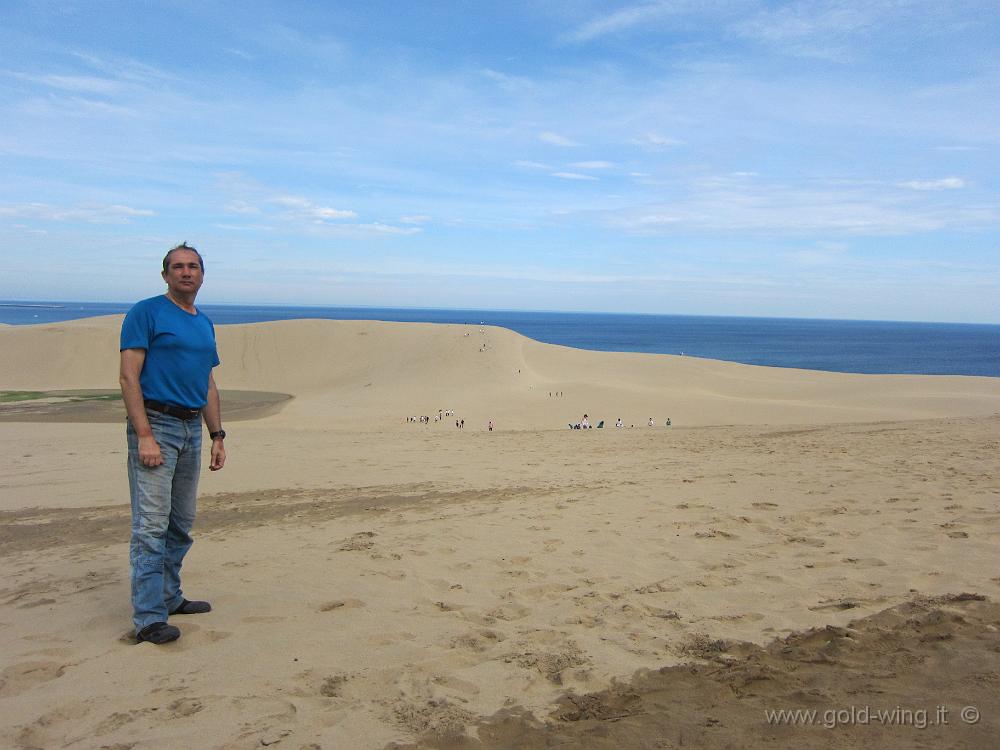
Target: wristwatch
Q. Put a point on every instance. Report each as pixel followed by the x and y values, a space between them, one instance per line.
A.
pixel 217 434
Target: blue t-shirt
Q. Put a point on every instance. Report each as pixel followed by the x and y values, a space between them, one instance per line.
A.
pixel 180 351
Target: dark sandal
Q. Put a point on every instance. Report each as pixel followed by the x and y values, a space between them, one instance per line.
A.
pixel 192 608
pixel 158 633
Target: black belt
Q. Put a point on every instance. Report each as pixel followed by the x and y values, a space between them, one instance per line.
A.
pixel 173 411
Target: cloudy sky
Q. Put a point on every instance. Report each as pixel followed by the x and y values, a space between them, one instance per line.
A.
pixel 815 158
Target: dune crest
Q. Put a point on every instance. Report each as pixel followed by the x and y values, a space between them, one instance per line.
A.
pixel 367 372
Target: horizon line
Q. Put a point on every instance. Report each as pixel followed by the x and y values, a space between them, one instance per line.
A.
pixel 8 302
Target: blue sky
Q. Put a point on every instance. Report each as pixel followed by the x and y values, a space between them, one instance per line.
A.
pixel 825 158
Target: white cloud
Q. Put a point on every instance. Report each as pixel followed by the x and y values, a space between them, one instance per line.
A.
pixel 59 108
pixel 834 29
pixel 245 227
pixel 948 183
pixel 556 140
pixel 592 165
pixel 656 220
pixel 241 207
pixel 380 228
pixel 419 219
pixel 324 212
pixel 573 176
pixel 303 208
pixel 508 83
pixel 655 140
pixel 92 213
pixel 620 20
pixel 125 68
pixel 531 164
pixel 85 84
pixel 27 229
pixel 730 204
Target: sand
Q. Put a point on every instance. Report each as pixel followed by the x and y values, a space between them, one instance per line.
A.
pixel 794 540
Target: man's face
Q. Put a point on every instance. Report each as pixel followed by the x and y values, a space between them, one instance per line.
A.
pixel 183 275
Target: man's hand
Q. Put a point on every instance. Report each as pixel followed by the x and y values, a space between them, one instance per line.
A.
pixel 149 452
pixel 218 455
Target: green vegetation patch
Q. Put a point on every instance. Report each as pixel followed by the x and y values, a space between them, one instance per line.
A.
pixel 7 397
pixel 87 395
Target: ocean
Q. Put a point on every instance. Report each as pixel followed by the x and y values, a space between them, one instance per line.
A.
pixel 861 346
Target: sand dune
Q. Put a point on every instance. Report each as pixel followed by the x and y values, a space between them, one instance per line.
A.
pixel 797 540
pixel 353 373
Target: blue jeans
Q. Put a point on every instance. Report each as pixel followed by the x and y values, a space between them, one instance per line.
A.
pixel 163 507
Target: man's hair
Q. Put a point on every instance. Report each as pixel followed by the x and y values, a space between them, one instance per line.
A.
pixel 182 246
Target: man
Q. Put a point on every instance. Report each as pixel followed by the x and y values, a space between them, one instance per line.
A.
pixel 167 355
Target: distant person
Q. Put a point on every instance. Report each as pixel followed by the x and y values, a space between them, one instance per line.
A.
pixel 462 425
pixel 650 421
pixel 585 422
pixel 668 422
pixel 619 423
pixel 491 426
pixel 168 352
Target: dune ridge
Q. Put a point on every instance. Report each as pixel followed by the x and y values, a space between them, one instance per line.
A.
pixel 365 372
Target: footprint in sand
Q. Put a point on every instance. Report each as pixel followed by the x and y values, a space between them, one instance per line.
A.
pixel 184 707
pixel 341 604
pixel 17 678
pixel 389 639
pixel 118 719
pixel 836 604
pixel 810 541
pixel 745 617
pixel 36 603
pixel 871 562
pixel 477 640
pixel 332 686
pixel 658 587
pixel 548 590
pixel 508 613
pixel 661 613
pixel 714 533
pixel 438 717
pixel 361 541
pixel 550 663
pixel 516 573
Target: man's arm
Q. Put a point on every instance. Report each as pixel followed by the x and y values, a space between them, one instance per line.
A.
pixel 131 367
pixel 213 421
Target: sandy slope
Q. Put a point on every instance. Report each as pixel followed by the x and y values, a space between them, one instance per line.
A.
pixel 379 581
pixel 363 373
